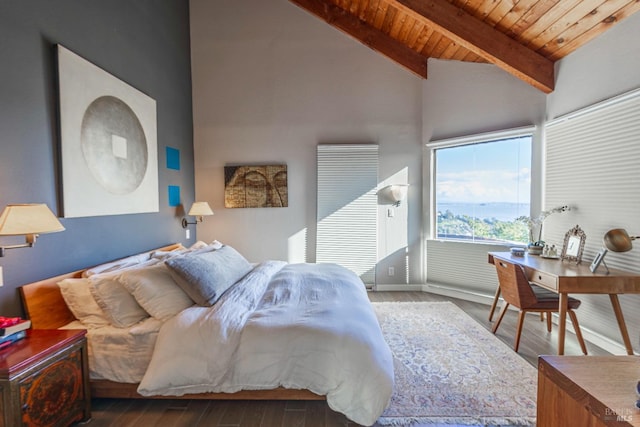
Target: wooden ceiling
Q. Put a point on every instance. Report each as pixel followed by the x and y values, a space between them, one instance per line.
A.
pixel 523 37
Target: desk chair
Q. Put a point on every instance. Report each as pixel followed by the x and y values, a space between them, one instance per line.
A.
pixel 517 291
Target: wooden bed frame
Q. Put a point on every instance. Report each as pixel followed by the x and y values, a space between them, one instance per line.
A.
pixel 45 307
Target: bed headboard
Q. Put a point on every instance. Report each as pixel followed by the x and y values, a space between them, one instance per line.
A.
pixel 43 303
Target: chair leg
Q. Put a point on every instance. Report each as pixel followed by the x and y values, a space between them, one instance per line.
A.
pixel 519 330
pixel 500 316
pixel 548 321
pixel 494 304
pixel 576 327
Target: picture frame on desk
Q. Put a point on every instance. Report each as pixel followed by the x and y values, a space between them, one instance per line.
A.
pixel 573 245
pixel 599 258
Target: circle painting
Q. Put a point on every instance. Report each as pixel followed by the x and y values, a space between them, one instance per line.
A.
pixel 114 145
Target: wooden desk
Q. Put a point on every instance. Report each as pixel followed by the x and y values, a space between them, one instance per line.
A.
pixel 587 391
pixel 566 278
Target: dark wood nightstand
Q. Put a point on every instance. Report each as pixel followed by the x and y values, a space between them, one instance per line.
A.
pixel 44 379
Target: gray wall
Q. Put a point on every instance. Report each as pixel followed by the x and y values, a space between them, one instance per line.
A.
pixel 272 81
pixel 144 43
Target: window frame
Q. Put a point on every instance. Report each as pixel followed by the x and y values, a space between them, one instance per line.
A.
pixel 430 176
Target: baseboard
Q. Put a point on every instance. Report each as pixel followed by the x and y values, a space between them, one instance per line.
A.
pixel 589 335
pixel 398 287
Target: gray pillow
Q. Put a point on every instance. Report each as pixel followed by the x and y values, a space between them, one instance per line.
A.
pixel 206 276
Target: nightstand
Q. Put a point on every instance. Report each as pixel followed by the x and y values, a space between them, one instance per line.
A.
pixel 44 379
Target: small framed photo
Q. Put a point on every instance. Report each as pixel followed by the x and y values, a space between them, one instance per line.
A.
pixel 598 259
pixel 573 245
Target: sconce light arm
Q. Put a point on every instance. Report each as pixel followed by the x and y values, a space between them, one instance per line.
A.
pixel 186 223
pixel 30 240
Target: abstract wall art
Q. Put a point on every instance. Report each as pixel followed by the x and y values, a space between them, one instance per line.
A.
pixel 255 186
pixel 108 140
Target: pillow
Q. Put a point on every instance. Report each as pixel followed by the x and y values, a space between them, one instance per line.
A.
pixel 205 276
pixel 117 264
pixel 156 291
pixel 118 304
pixel 77 294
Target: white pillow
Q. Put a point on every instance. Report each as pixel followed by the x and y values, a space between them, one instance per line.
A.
pixel 117 264
pixel 118 304
pixel 156 291
pixel 77 294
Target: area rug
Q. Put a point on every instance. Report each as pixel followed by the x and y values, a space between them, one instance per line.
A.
pixel 450 370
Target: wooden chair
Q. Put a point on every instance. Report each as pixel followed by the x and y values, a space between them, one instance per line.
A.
pixel 528 297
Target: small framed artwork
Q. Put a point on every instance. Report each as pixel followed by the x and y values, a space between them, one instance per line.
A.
pixel 573 245
pixel 598 260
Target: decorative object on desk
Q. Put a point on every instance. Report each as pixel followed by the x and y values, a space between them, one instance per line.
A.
pixel 615 240
pixel 28 220
pixel 573 245
pixel 535 224
pixel 256 186
pixel 550 252
pixel 108 136
pixel 598 260
pixel 517 251
pixel 199 210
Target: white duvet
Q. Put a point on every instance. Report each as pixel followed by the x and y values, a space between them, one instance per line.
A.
pixel 300 326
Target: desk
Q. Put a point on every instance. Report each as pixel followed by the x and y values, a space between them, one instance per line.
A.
pixel 564 278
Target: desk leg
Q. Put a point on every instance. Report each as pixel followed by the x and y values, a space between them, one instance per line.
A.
pixel 615 303
pixel 563 305
pixel 495 304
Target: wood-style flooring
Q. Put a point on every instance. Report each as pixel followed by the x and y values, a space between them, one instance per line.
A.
pixel 189 413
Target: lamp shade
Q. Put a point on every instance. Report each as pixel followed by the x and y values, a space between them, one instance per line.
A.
pixel 24 219
pixel 200 209
pixel 618 240
pixel 398 192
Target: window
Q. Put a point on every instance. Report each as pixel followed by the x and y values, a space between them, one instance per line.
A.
pixel 481 185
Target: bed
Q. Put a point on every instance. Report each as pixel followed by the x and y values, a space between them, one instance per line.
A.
pixel 279 331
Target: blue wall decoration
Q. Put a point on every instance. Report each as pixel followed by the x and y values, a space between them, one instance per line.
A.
pixel 173 158
pixel 174 195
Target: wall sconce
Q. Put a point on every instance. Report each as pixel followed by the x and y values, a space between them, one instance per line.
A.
pixel 616 240
pixel 28 220
pixel 397 193
pixel 199 210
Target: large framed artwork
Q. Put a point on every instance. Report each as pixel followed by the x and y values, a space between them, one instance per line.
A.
pixel 255 186
pixel 108 142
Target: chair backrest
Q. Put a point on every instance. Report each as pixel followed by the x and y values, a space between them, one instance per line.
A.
pixel 514 286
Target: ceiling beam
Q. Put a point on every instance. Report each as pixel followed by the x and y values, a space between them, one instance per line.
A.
pixel 366 34
pixel 483 40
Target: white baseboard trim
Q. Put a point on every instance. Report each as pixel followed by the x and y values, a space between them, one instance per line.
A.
pixel 398 287
pixel 605 343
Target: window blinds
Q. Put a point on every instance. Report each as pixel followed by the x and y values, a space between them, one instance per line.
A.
pixel 347 211
pixel 591 161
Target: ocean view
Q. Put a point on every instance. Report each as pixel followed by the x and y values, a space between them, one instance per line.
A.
pixel 501 211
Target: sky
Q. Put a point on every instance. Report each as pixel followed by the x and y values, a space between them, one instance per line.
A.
pixel 493 172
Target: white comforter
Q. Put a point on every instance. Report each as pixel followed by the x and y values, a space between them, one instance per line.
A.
pixel 300 326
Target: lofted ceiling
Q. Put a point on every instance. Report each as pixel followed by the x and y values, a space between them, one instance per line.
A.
pixel 523 37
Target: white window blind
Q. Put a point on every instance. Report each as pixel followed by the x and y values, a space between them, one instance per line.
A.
pixel 347 217
pixel 592 159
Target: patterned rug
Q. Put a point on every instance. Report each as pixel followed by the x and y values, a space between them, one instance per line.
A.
pixel 451 370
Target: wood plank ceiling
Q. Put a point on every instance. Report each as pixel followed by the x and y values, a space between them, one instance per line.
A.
pixel 523 37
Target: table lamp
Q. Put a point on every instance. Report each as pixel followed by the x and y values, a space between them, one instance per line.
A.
pixel 615 240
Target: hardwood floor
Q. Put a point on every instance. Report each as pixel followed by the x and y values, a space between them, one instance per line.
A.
pixel 189 413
